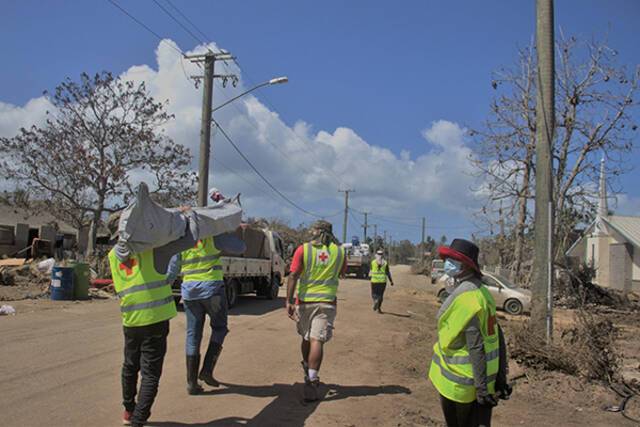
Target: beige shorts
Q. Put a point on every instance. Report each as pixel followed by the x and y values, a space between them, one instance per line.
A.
pixel 315 320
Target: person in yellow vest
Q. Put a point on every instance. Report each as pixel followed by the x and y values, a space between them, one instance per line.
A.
pixel 312 297
pixel 146 306
pixel 469 364
pixel 203 293
pixel 379 273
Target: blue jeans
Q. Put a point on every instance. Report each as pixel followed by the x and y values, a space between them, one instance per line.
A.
pixel 196 310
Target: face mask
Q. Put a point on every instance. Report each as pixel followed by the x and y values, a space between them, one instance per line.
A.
pixel 452 268
pixel 379 258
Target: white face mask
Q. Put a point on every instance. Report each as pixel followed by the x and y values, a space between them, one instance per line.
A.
pixel 378 258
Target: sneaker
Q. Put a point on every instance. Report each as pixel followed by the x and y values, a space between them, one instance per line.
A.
pixel 311 390
pixel 126 418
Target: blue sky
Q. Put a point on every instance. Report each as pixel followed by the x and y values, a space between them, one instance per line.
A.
pixel 386 70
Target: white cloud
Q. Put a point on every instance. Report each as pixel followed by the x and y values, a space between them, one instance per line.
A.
pixel 625 204
pixel 307 165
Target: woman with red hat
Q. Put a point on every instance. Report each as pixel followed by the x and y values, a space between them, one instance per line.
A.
pixel 469 365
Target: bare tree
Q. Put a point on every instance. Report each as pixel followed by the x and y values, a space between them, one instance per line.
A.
pixel 594 105
pixel 103 136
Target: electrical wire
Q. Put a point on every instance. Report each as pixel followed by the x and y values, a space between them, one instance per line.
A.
pixel 187 30
pixel 136 20
pixel 248 78
pixel 278 192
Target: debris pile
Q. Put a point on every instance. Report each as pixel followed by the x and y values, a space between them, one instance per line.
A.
pixel 575 289
pixel 20 272
pixel 585 350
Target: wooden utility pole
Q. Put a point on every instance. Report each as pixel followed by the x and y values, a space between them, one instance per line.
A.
pixel 542 285
pixel 205 130
pixel 209 60
pixel 346 213
pixel 365 226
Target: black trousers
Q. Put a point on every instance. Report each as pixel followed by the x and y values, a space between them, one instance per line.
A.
pixel 144 350
pixel 377 293
pixel 465 414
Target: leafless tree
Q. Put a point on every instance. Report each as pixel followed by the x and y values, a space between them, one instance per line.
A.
pixel 594 106
pixel 103 136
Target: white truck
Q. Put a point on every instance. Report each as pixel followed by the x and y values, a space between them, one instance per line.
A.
pixel 260 270
pixel 358 259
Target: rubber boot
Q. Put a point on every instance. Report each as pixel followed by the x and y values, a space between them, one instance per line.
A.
pixel 210 360
pixel 311 390
pixel 193 362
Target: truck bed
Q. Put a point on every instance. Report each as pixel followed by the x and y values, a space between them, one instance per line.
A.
pixel 245 267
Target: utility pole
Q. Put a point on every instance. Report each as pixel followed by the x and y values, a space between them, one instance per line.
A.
pixel 365 226
pixel 375 232
pixel 424 230
pixel 209 60
pixel 346 213
pixel 542 284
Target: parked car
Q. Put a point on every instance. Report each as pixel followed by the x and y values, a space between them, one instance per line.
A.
pixel 437 270
pixel 508 296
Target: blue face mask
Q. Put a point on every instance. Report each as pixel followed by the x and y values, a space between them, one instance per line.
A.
pixel 452 267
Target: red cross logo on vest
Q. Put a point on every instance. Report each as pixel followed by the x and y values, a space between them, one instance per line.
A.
pixel 323 257
pixel 128 265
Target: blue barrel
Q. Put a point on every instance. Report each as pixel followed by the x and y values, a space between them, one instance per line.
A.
pixel 61 283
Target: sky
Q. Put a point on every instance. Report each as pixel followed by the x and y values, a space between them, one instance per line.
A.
pixel 379 98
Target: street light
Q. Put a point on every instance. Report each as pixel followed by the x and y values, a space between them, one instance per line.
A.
pixel 274 81
pixel 203 183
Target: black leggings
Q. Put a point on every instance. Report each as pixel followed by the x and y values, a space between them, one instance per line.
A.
pixel 465 414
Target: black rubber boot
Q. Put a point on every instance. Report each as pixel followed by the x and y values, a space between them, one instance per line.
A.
pixel 210 360
pixel 193 363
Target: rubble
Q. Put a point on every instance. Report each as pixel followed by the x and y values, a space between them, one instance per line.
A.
pixel 585 349
pixel 575 289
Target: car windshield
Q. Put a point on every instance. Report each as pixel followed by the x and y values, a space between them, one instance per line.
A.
pixel 504 281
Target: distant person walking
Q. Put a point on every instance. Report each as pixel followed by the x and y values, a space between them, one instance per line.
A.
pixel 469 365
pixel 379 273
pixel 312 298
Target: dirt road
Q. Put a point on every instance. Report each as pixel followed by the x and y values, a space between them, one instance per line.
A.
pixel 60 364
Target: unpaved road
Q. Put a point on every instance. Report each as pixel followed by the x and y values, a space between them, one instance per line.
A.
pixel 60 366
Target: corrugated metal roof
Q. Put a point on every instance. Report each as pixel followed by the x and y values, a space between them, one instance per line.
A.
pixel 11 215
pixel 628 226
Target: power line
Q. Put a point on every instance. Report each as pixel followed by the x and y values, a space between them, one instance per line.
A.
pixel 291 202
pixel 249 79
pixel 186 18
pixel 136 20
pixel 187 30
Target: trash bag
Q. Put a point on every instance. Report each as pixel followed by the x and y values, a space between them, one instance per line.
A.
pixel 145 225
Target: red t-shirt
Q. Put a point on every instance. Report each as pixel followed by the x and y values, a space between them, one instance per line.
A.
pixel 297 263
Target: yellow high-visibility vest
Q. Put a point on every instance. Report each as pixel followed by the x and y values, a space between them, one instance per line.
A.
pixel 202 263
pixel 378 272
pixel 451 371
pixel 322 267
pixel 145 296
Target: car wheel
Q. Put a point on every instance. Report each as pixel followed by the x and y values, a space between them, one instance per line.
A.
pixel 443 295
pixel 274 288
pixel 513 306
pixel 232 293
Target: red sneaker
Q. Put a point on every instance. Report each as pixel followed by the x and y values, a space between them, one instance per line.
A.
pixel 126 418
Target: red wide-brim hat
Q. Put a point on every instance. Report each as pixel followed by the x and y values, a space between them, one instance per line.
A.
pixel 447 252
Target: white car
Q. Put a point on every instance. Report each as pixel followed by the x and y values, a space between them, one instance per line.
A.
pixel 508 296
